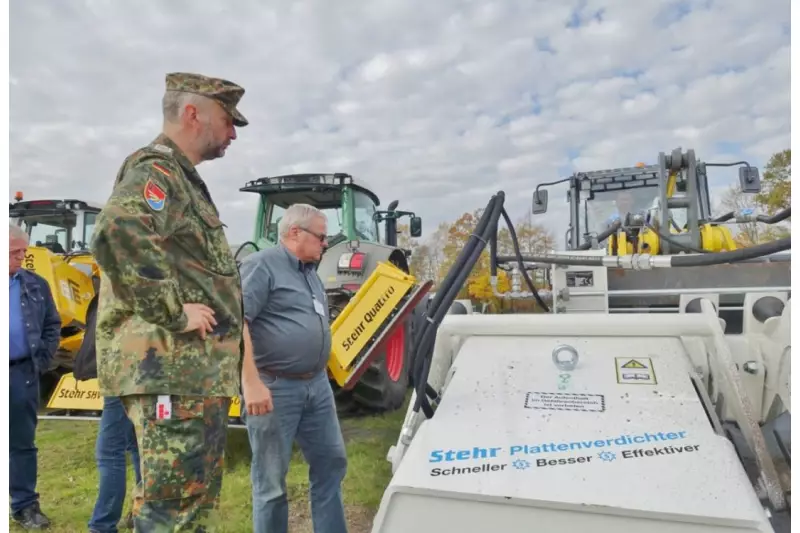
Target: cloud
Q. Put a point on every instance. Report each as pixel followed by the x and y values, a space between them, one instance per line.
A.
pixel 436 104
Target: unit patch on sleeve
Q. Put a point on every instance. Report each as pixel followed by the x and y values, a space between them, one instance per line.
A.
pixel 154 196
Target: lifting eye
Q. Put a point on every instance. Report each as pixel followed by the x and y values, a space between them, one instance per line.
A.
pixel 565 357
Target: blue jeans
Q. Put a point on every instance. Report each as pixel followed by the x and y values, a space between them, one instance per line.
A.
pixel 115 437
pixel 22 414
pixel 303 410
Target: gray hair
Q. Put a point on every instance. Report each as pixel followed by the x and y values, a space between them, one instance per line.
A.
pixel 299 215
pixel 16 232
pixel 174 103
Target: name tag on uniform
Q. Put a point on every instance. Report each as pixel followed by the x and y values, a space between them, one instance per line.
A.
pixel 318 307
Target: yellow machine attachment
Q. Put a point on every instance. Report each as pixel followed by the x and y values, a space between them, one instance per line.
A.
pixel 369 319
pixel 380 305
pixel 70 394
pixel 713 238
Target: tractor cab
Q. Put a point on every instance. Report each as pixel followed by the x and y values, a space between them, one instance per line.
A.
pixel 62 226
pixel 351 208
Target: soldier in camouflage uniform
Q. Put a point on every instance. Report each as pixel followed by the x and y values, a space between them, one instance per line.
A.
pixel 169 323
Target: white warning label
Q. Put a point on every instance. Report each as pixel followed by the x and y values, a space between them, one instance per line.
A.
pixel 565 401
pixel 635 370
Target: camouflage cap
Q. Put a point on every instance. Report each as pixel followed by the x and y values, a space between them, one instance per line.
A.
pixel 225 92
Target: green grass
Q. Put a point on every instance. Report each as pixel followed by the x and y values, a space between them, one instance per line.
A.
pixel 68 476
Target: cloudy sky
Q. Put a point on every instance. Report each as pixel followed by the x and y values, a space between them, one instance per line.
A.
pixel 435 103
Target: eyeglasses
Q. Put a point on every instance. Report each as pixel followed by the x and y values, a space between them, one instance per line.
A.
pixel 321 236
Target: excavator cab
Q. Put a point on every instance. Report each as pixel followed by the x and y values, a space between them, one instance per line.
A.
pixel 62 226
pixel 664 208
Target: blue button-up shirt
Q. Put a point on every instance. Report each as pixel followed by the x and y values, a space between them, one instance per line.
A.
pixel 282 296
pixel 17 334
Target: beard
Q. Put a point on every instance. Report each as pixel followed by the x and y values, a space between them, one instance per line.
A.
pixel 213 151
pixel 210 148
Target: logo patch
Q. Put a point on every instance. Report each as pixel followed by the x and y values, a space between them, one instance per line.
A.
pixel 154 196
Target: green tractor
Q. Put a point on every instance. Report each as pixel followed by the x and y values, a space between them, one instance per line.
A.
pixel 355 238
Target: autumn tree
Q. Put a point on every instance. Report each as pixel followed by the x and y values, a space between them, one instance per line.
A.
pixel 776 184
pixel 454 240
pixel 532 239
pixel 478 288
pixel 775 196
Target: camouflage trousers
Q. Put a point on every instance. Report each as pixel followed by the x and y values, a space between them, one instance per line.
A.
pixel 181 462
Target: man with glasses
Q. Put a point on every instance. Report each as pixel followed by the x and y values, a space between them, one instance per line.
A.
pixel 286 393
pixel 34 332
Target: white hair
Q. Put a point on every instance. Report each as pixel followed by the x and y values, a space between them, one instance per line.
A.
pixel 16 232
pixel 174 103
pixel 299 215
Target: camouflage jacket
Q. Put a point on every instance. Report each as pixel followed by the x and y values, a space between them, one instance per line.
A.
pixel 159 243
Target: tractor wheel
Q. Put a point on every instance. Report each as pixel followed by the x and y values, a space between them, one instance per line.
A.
pixel 384 384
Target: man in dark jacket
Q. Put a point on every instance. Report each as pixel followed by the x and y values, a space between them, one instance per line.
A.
pixel 34 332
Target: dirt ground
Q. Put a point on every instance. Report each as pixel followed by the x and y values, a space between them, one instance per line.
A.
pixel 359 518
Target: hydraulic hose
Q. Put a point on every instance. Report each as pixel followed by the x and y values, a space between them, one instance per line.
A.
pixel 777 217
pixel 577 260
pixel 473 241
pixel 774 219
pixel 428 337
pixel 445 295
pixel 521 263
pixel 734 256
pixel 644 261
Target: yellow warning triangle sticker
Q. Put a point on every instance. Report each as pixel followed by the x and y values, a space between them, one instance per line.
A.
pixel 633 363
